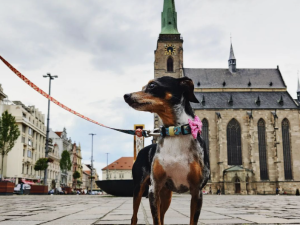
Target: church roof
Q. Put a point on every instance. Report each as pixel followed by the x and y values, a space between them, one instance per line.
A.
pixel 244 100
pixel 223 78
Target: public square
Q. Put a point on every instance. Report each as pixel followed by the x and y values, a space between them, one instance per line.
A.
pixel 87 210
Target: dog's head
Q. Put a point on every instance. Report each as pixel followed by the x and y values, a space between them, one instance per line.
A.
pixel 162 95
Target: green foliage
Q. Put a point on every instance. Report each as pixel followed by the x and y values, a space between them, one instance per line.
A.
pixel 76 175
pixel 65 161
pixel 9 133
pixel 41 164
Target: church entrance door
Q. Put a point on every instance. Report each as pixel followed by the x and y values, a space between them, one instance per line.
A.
pixel 237 186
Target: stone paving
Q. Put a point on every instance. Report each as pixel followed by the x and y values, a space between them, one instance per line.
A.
pixel 87 210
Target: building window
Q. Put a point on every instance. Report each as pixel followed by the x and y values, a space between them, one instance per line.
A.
pixel 29 142
pixel 23 128
pixel 286 150
pixel 24 115
pixel 205 133
pixel 29 154
pixel 23 139
pixel 23 152
pixel 23 168
pixel 29 131
pixel 170 64
pixel 234 143
pixel 262 150
pixel 27 169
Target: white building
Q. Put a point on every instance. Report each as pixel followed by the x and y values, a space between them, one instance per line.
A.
pixel 62 143
pixel 119 169
pixel 30 146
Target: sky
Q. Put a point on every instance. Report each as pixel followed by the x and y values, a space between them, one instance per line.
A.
pixel 101 50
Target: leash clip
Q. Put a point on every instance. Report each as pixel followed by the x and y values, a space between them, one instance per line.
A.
pixel 154 133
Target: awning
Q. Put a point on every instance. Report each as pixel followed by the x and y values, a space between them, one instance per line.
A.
pixel 27 181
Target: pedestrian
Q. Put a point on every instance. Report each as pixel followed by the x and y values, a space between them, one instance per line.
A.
pixel 297 192
pixel 277 191
pixel 210 192
pixel 219 191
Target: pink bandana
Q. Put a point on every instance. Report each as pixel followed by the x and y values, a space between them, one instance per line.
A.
pixel 196 126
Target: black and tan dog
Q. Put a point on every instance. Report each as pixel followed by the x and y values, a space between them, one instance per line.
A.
pixel 178 163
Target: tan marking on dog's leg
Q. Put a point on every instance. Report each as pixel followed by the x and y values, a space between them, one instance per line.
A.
pixel 165 199
pixel 137 200
pixel 159 178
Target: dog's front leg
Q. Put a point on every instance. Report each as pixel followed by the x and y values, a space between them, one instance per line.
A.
pixel 158 180
pixel 196 205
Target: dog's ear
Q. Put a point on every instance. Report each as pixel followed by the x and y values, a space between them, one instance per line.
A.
pixel 187 86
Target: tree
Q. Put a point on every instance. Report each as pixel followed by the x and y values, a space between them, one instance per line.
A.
pixel 65 161
pixel 41 164
pixel 9 133
pixel 76 175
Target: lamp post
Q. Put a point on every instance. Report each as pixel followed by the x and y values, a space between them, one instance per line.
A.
pixel 47 134
pixel 92 164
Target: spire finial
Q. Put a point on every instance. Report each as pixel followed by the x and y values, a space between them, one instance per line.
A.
pixel 232 59
pixel 298 90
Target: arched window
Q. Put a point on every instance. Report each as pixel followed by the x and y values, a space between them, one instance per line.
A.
pixel 205 133
pixel 234 146
pixel 170 65
pixel 262 150
pixel 286 150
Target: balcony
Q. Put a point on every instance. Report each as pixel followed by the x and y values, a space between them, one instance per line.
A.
pixel 52 156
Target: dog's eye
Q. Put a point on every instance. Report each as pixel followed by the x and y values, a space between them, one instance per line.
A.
pixel 151 86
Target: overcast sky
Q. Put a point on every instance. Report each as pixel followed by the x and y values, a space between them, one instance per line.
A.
pixel 103 49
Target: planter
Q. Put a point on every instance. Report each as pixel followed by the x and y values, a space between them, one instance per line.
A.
pixel 68 190
pixel 6 188
pixel 39 190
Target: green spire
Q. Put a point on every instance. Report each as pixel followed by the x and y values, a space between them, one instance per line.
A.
pixel 169 18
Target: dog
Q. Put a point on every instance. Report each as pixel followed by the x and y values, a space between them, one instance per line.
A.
pixel 180 162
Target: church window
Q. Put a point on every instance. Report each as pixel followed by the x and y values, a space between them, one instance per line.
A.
pixel 262 150
pixel 286 150
pixel 170 64
pixel 234 146
pixel 205 133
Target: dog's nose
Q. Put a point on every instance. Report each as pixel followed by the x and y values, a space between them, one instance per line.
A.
pixel 127 97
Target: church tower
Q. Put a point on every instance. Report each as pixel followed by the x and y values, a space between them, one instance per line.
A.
pixel 169 51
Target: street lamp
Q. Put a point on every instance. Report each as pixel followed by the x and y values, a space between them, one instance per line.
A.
pixel 47 134
pixel 92 164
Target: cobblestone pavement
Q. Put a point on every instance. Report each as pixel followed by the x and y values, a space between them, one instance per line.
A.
pixel 87 210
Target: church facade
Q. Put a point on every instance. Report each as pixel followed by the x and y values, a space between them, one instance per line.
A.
pixel 251 124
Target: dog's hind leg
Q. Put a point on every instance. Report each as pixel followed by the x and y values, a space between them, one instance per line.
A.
pixel 165 201
pixel 138 192
pixel 196 205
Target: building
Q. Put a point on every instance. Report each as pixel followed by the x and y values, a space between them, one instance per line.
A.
pixel 62 142
pixel 29 147
pixel 250 121
pixel 120 169
pixel 86 168
pixel 76 164
pixel 53 177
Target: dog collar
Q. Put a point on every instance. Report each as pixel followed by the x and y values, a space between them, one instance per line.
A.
pixel 174 131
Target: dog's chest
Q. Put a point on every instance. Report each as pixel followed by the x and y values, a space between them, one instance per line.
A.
pixel 175 155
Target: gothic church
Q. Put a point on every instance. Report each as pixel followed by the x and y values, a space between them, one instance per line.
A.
pixel 250 121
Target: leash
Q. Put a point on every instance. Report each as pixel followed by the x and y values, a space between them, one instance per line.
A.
pixel 138 132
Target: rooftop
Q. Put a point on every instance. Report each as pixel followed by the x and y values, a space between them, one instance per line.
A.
pixel 124 163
